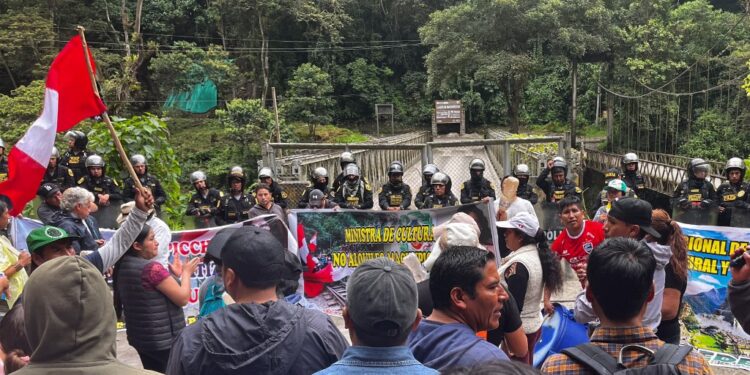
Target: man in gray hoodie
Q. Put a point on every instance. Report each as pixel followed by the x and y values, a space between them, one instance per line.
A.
pixel 259 334
pixel 70 321
pixel 631 218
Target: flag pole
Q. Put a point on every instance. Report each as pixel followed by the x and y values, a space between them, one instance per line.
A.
pixel 105 116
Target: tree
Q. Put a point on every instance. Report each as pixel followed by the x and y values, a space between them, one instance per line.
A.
pixel 249 124
pixel 19 111
pixel 309 98
pixel 26 40
pixel 147 135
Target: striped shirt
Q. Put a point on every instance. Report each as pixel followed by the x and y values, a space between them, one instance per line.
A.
pixel 612 340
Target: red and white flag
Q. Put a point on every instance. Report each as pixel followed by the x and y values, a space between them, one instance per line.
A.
pixel 69 98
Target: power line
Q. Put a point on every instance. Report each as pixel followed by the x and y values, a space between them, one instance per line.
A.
pixel 676 94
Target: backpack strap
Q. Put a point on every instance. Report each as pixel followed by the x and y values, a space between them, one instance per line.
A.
pixel 671 354
pixel 592 357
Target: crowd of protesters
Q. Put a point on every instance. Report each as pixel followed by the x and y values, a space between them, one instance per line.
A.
pixel 464 311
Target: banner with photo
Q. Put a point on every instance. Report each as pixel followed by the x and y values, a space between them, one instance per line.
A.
pixel 332 243
pixel 185 244
pixel 706 317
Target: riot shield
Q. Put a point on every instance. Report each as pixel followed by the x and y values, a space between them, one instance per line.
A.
pixel 740 218
pixel 204 222
pixel 550 223
pixel 106 216
pixel 696 215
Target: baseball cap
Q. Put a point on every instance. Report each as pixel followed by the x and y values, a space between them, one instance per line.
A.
pixel 255 255
pixel 316 198
pixel 382 298
pixel 522 221
pixel 617 184
pixel 43 236
pixel 47 190
pixel 635 212
pixel 218 241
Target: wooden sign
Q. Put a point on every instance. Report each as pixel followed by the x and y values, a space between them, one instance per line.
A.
pixel 448 111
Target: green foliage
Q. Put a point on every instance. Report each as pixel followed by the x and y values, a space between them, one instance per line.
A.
pixel 20 110
pixel 309 98
pixel 186 65
pixel 249 124
pixel 713 137
pixel 26 40
pixel 147 135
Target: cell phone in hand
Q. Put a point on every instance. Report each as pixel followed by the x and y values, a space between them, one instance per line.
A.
pixel 738 262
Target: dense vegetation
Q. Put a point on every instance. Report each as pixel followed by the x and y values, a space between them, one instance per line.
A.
pixel 669 73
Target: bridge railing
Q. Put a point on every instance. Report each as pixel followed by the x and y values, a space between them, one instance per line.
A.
pixel 659 176
pixel 374 158
pixel 679 161
pixel 515 151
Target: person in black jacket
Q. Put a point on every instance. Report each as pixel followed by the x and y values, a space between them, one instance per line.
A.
pixel 76 155
pixel 345 159
pixel 733 193
pixel 354 193
pixel 204 204
pixel 57 173
pixel 235 205
pixel 318 181
pixel 426 189
pixel 395 195
pixel 441 195
pixel 105 189
pixel 696 192
pixel 49 211
pixel 140 166
pixel 630 174
pixel 559 186
pixel 477 188
pixel 77 220
pixel 525 191
pixel 265 176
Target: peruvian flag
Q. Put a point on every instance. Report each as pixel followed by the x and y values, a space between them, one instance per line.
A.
pixel 303 249
pixel 69 98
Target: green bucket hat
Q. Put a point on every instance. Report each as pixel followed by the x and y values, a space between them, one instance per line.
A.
pixel 43 236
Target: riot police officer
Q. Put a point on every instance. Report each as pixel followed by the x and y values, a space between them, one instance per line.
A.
pixel 630 174
pixel 235 205
pixel 140 165
pixel 441 195
pixel 318 181
pixel 3 162
pixel 426 189
pixel 265 176
pixel 75 158
pixel 697 191
pixel 525 191
pixel 559 186
pixel 58 174
pixel 477 188
pixel 354 192
pixel 345 159
pixel 395 195
pixel 733 193
pixel 602 199
pixel 204 204
pixel 104 188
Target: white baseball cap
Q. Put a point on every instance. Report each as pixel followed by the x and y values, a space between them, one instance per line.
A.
pixel 522 221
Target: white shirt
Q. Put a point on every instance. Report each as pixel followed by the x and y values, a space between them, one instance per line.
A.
pixel 163 236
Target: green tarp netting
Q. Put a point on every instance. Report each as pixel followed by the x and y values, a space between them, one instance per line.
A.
pixel 201 99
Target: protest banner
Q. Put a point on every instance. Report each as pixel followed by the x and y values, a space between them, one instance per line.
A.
pixel 333 243
pixel 706 316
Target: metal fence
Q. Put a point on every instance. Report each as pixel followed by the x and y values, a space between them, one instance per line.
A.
pixel 659 176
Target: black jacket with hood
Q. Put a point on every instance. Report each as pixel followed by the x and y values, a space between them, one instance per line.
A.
pixel 250 338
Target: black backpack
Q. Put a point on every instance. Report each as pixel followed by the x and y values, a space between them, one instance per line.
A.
pixel 663 362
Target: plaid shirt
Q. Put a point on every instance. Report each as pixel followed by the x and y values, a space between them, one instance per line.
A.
pixel 612 340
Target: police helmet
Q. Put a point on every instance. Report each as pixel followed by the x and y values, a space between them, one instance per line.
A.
pixel 94 161
pixel 346 157
pixel 197 176
pixel 735 163
pixel 265 172
pixel 521 170
pixel 351 170
pixel 558 158
pixel 55 153
pixel 629 158
pixel 476 164
pixel 698 164
pixel 2 143
pixel 559 164
pixel 396 167
pixel 440 178
pixel 611 174
pixel 80 140
pixel 318 173
pixel 138 159
pixel 236 173
pixel 429 170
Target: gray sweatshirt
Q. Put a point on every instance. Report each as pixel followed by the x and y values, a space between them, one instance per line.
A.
pixel 584 313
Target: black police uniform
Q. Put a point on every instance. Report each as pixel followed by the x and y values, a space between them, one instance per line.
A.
pixel 234 210
pixel 59 175
pixel 526 191
pixel 3 168
pixel 277 193
pixel 359 198
pixel 732 197
pixel 75 161
pixel 101 185
pixel 635 182
pixel 149 181
pixel 693 193
pixel 424 191
pixel 206 207
pixel 555 193
pixel 474 192
pixel 304 201
pixel 433 201
pixel 391 196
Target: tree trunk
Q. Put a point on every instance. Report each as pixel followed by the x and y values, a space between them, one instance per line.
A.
pixel 574 103
pixel 263 59
pixel 7 68
pixel 513 102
